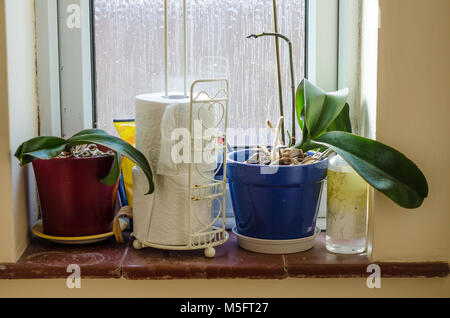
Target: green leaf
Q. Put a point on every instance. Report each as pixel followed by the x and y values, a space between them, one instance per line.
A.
pixel 50 147
pixel 90 132
pixel 289 137
pixel 114 175
pixel 383 167
pixel 311 99
pixel 307 145
pixel 342 122
pixel 301 106
pixel 40 148
pixel 120 147
pixel 332 108
pixel 317 108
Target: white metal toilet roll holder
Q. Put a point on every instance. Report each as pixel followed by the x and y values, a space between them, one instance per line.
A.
pixel 210 189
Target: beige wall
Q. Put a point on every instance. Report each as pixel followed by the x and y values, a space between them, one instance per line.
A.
pixel 7 250
pixel 413 116
pixel 295 288
pixel 22 117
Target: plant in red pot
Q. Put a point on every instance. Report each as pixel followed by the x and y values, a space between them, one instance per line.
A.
pixel 77 180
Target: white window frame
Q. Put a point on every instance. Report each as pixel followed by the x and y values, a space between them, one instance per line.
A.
pixel 65 66
pixel 322 43
pixel 333 32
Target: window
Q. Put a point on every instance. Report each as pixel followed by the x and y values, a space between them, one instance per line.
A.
pixel 95 56
pixel 129 45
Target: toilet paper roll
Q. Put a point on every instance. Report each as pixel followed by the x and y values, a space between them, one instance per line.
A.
pixel 175 125
pixel 150 110
pixel 142 204
pixel 162 218
pixel 158 118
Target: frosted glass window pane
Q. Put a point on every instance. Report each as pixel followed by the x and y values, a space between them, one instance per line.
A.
pixel 130 54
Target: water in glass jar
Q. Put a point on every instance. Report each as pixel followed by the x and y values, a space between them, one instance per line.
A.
pixel 347 209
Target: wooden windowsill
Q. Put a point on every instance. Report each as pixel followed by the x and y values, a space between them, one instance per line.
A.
pixel 44 260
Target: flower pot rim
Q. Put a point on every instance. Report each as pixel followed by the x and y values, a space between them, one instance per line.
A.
pixel 72 159
pixel 232 161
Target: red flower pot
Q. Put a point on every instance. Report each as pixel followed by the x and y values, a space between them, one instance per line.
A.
pixel 74 202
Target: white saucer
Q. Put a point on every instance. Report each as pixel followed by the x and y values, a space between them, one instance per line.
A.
pixel 276 247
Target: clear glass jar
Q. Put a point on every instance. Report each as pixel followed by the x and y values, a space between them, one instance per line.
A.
pixel 346 209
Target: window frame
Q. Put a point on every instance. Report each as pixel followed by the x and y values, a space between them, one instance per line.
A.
pixel 66 67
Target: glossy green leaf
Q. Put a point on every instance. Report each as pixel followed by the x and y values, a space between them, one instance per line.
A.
pixel 289 137
pixel 342 122
pixel 383 167
pixel 317 108
pixel 40 148
pixel 114 175
pixel 119 146
pixel 331 109
pixel 301 106
pixel 311 104
pixel 90 132
pixel 50 147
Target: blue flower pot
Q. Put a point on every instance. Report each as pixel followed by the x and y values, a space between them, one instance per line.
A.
pixel 275 203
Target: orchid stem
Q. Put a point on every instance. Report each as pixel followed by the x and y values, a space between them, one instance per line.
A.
pixel 291 55
pixel 280 81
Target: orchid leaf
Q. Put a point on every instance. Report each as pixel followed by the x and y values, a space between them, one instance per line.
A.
pixel 317 108
pixel 114 175
pixel 310 99
pixel 331 109
pixel 383 167
pixel 119 146
pixel 40 148
pixel 342 122
pixel 90 132
pixel 301 107
pixel 50 147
